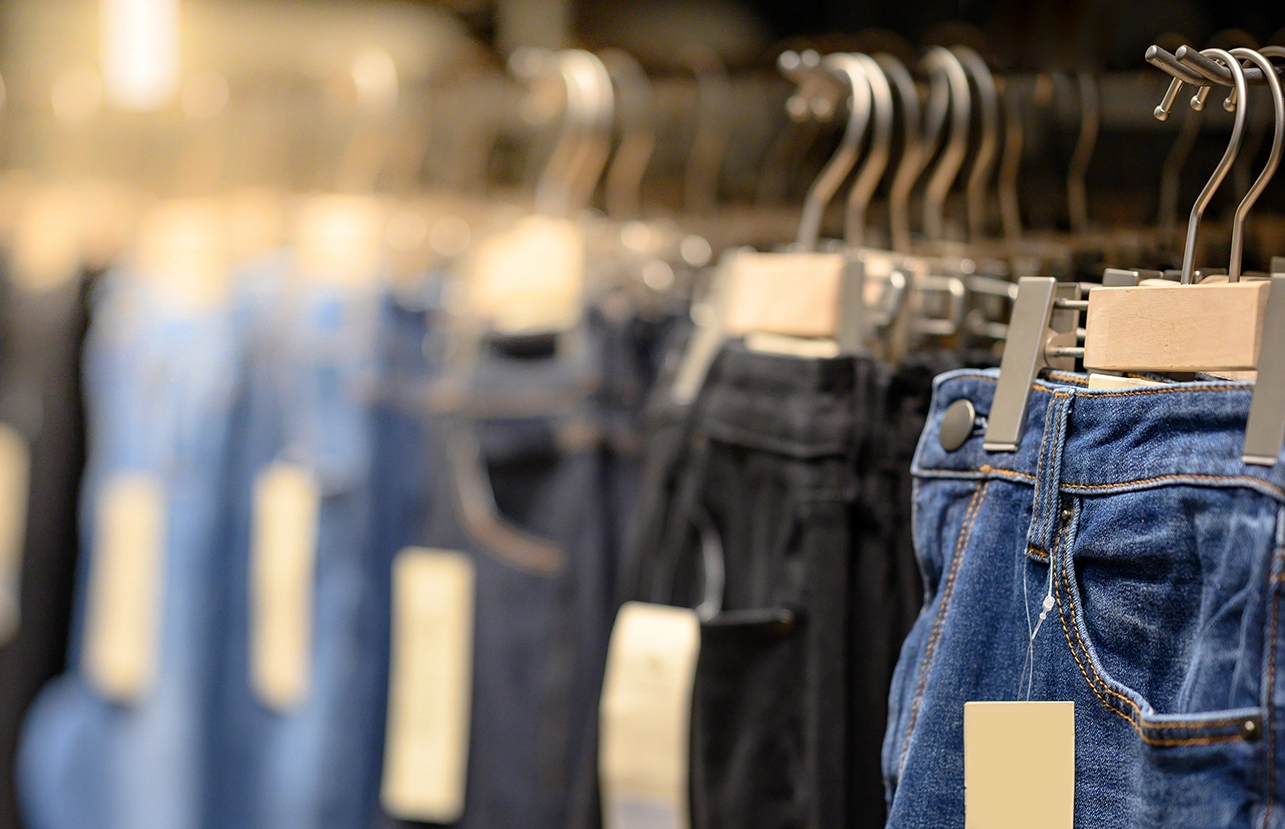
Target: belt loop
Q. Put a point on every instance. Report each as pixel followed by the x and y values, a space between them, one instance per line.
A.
pixel 1048 474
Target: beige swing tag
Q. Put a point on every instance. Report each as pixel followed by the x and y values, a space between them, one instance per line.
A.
pixel 283 552
pixel 430 686
pixel 15 477
pixel 645 718
pixel 1019 765
pixel 123 614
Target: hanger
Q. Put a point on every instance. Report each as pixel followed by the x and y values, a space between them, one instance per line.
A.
pixel 1219 325
pixel 637 111
pixel 530 278
pixel 911 162
pixel 940 61
pixel 705 157
pixel 802 302
pixel 1090 120
pixel 984 160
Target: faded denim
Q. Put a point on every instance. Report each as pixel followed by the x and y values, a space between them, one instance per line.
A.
pixel 1166 556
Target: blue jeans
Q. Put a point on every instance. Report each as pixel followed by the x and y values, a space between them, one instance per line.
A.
pixel 159 392
pixel 311 382
pixel 1165 557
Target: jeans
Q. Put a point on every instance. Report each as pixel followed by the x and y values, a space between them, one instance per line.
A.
pixel 159 390
pixel 40 397
pixel 1163 554
pixel 312 379
pixel 521 431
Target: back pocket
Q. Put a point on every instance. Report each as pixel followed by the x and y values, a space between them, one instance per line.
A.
pixel 748 764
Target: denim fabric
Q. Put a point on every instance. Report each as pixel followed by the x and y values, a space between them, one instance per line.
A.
pixel 774 477
pixel 522 426
pixel 40 396
pixel 310 401
pixel 159 390
pixel 1164 553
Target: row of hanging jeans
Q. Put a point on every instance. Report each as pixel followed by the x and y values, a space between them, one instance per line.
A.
pixel 407 448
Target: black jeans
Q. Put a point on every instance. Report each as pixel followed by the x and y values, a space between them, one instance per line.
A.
pixel 40 397
pixel 800 471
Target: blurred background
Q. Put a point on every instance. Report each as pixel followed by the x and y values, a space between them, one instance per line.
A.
pixel 331 335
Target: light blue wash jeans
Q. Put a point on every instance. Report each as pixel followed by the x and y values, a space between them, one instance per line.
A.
pixel 159 390
pixel 1165 556
pixel 312 373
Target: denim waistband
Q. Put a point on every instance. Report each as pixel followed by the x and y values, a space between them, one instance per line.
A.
pixel 802 407
pixel 1104 441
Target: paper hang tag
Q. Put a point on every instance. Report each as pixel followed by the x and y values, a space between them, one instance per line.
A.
pixel 15 478
pixel 430 686
pixel 1019 765
pixel 123 616
pixel 530 279
pixel 645 718
pixel 283 551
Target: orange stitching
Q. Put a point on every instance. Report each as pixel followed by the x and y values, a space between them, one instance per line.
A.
pixel 1134 720
pixel 1166 390
pixel 1180 476
pixel 1042 386
pixel 965 532
pixel 1267 714
pixel 1040 554
pixel 997 470
pixel 1070 597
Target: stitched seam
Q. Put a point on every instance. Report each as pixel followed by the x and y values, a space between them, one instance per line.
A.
pixel 1040 484
pixel 1249 480
pixel 1134 719
pixel 995 470
pixel 965 532
pixel 1037 553
pixel 1181 476
pixel 1269 719
pixel 1175 389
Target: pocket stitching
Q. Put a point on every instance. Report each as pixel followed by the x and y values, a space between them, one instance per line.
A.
pixel 1135 719
pixel 965 533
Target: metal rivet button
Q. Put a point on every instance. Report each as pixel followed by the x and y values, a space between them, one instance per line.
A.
pixel 1066 514
pixel 956 425
pixel 1250 729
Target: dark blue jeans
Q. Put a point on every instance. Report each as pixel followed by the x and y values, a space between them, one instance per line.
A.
pixel 1164 555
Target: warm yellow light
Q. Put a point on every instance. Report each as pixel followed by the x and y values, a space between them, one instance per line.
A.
pixel 139 51
pixel 375 75
pixel 77 94
pixel 205 94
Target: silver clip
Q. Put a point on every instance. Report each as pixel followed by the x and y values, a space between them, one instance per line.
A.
pixel 1043 333
pixel 1265 433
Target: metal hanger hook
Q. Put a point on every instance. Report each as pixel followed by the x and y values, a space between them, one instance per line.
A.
pixel 1220 172
pixel 844 159
pixel 941 61
pixel 984 160
pixel 876 163
pixel 1273 159
pixel 911 162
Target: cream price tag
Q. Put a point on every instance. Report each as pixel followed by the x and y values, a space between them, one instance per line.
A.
pixel 283 552
pixel 430 686
pixel 15 478
pixel 1019 765
pixel 530 278
pixel 645 717
pixel 123 613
